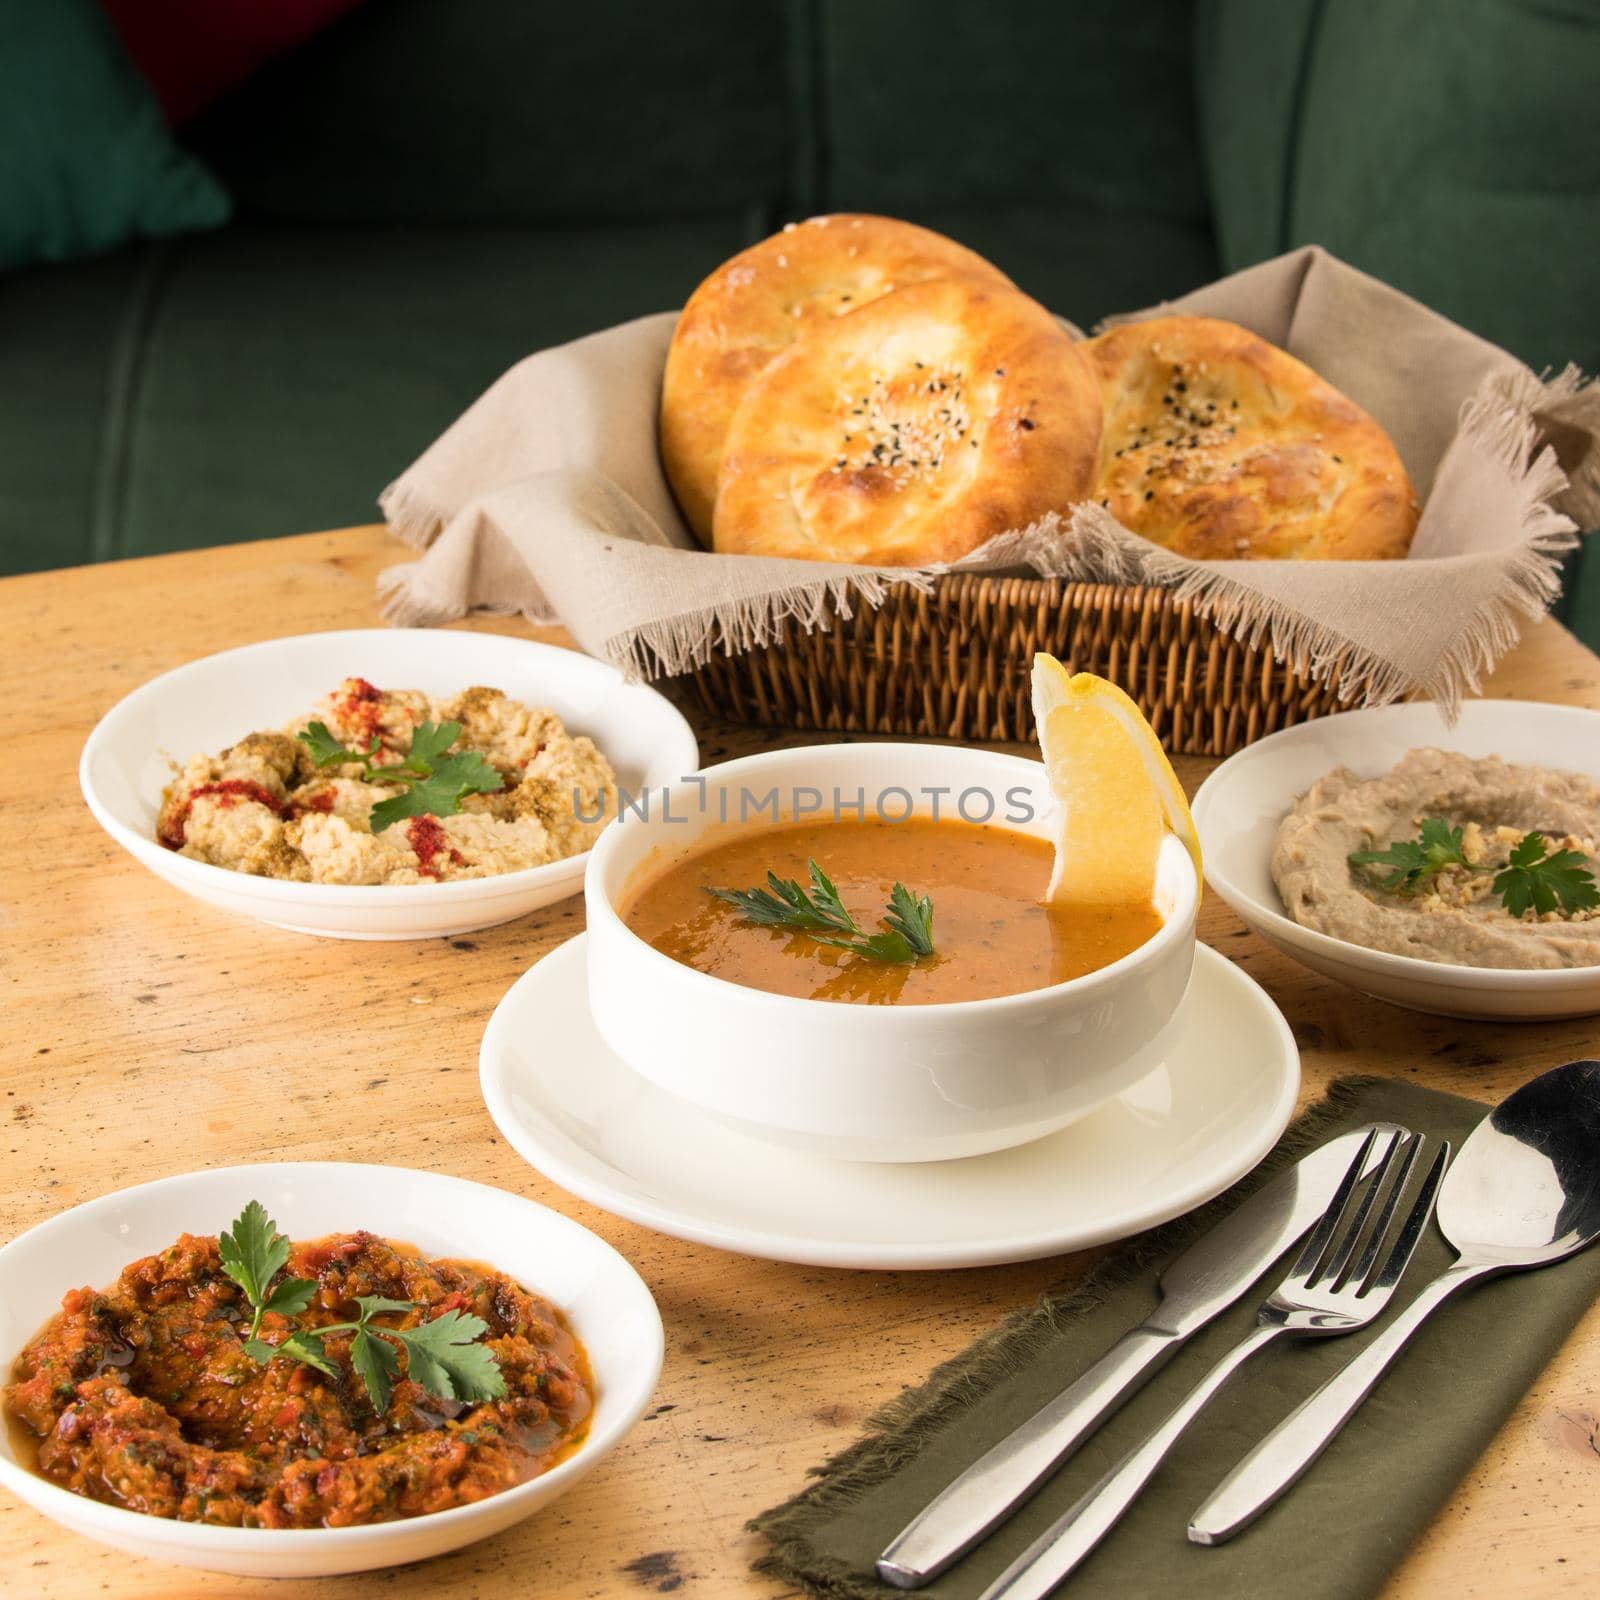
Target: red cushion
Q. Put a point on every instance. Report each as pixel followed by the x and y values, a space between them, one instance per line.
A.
pixel 193 52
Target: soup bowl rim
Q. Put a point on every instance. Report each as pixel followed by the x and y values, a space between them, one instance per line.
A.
pixel 1177 923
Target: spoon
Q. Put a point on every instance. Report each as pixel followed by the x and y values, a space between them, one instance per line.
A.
pixel 1523 1192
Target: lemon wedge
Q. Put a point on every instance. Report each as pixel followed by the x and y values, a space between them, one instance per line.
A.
pixel 1116 794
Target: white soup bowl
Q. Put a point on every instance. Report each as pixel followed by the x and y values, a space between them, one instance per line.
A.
pixel 876 1082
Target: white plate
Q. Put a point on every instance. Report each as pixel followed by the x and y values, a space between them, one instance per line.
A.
pixel 210 703
pixel 1177 1137
pixel 1238 809
pixel 606 1302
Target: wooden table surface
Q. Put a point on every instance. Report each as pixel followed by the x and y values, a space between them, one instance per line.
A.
pixel 127 1001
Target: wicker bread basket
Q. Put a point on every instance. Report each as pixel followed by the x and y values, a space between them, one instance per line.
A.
pixel 955 663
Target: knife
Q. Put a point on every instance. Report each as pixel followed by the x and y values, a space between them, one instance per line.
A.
pixel 1203 1282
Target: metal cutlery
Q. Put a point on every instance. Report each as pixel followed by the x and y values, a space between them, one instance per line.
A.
pixel 1195 1288
pixel 1341 1280
pixel 1524 1192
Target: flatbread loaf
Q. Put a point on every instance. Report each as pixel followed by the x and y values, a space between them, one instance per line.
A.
pixel 756 305
pixel 910 431
pixel 1218 445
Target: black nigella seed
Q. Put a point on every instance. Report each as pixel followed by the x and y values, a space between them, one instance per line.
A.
pixel 1182 388
pixel 1027 424
pixel 1149 494
pixel 1339 459
pixel 999 372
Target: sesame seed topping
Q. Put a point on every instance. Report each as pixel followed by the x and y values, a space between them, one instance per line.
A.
pixel 905 434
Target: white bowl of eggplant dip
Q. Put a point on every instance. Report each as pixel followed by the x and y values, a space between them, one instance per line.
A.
pixel 1450 869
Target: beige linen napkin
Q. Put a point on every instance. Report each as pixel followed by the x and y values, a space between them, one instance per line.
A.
pixel 547 497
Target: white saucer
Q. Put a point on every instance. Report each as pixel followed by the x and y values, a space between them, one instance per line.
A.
pixel 572 1110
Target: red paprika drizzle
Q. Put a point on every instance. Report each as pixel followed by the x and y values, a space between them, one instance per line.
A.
pixel 360 707
pixel 429 839
pixel 229 791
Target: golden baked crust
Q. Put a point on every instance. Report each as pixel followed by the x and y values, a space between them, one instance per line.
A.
pixel 756 305
pixel 1221 446
pixel 910 431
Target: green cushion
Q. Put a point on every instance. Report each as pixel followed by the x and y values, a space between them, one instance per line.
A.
pixel 1450 147
pixel 266 381
pixel 1081 262
pixel 85 159
pixel 66 338
pixel 1250 60
pixel 506 110
pixel 923 103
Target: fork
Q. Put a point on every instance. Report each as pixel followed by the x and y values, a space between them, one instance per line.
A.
pixel 1323 1294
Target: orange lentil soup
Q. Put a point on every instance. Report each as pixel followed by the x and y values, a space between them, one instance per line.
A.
pixel 991 934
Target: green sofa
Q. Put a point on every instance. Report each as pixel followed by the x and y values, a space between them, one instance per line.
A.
pixel 428 191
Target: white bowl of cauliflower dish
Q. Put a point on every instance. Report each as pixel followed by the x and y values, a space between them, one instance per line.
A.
pixel 380 784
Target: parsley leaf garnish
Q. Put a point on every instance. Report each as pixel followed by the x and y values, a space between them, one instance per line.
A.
pixel 911 916
pixel 442 1355
pixel 819 912
pixel 1535 879
pixel 252 1255
pixel 431 782
pixel 787 905
pixel 1416 862
pixel 1532 879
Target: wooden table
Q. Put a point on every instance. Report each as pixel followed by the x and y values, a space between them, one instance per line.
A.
pixel 128 1004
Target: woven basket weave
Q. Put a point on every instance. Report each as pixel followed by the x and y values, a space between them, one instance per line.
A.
pixel 954 663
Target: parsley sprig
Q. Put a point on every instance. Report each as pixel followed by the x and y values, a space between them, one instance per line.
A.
pixel 442 1355
pixel 1533 878
pixel 432 783
pixel 819 912
pixel 1416 862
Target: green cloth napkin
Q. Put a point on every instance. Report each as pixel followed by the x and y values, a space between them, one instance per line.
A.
pixel 1333 1537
